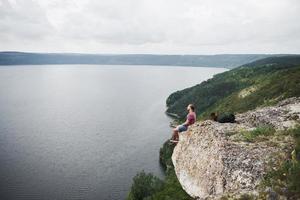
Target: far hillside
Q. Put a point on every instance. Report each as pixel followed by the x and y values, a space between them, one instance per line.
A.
pixel 260 83
pixel 221 60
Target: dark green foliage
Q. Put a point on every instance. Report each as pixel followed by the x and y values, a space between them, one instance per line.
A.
pixel 171 188
pixel 285 60
pixel 271 80
pixel 165 154
pixel 144 185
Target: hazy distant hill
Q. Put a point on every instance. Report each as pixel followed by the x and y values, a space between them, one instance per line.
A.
pixel 222 60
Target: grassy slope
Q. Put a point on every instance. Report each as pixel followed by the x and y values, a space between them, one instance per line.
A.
pixel 262 82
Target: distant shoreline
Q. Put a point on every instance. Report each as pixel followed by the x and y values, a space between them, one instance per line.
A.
pixel 125 65
pixel 228 61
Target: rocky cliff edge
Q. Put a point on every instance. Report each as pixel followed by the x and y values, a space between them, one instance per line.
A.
pixel 215 159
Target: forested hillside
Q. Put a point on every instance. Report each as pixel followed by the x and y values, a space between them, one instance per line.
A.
pixel 260 83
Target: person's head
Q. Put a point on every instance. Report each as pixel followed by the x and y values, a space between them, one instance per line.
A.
pixel 191 107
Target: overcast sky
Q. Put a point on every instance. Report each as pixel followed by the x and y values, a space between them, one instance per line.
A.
pixel 151 26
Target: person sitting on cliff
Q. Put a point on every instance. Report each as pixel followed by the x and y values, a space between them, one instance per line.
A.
pixel 190 119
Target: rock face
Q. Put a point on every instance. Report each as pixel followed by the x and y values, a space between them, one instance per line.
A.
pixel 210 162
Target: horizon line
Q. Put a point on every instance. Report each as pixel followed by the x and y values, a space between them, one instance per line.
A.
pixel 77 53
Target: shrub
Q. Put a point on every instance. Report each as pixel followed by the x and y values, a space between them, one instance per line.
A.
pixel 144 185
pixel 172 189
pixel 169 189
pixel 165 154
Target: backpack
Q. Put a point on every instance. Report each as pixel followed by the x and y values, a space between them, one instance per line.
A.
pixel 226 118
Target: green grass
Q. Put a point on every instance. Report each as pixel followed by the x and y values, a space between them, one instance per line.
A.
pixel 285 179
pixel 258 133
pixel 296 134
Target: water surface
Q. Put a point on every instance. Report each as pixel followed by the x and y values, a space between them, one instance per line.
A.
pixel 82 131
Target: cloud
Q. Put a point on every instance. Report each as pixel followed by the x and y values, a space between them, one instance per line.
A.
pixel 23 19
pixel 151 26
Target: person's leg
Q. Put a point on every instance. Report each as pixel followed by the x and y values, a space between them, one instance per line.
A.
pixel 175 136
pixel 178 130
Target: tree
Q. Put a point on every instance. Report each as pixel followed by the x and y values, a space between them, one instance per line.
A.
pixel 144 185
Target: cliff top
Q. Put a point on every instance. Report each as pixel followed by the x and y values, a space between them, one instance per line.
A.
pixel 215 159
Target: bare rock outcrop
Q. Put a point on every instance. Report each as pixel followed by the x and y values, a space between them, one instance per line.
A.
pixel 210 162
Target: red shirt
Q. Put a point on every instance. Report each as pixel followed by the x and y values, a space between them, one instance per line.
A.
pixel 191 117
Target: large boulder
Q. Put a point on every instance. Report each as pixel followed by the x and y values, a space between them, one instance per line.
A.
pixel 211 162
